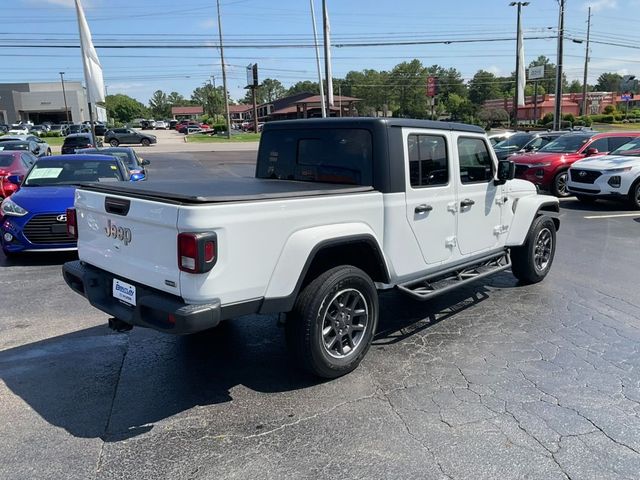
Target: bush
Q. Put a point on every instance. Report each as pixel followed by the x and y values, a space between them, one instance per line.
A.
pixel 50 134
pixel 569 117
pixel 602 118
pixel 548 118
pixel 609 110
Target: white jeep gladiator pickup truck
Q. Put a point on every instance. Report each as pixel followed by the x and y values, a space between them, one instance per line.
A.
pixel 338 209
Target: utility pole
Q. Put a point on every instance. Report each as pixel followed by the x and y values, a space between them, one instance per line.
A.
pixel 64 95
pixel 224 73
pixel 315 43
pixel 586 67
pixel 518 47
pixel 327 57
pixel 557 117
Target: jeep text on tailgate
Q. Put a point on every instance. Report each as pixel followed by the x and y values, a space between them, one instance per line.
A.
pixel 338 209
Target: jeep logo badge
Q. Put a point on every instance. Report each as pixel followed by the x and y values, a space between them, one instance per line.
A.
pixel 61 218
pixel 582 173
pixel 121 233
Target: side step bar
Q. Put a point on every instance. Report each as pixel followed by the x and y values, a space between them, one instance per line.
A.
pixel 446 280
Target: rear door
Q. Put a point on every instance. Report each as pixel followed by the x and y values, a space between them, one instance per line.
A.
pixel 430 192
pixel 479 202
pixel 135 239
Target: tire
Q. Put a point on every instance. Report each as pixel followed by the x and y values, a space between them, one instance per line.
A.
pixel 145 142
pixel 340 349
pixel 586 199
pixel 10 255
pixel 634 195
pixel 48 154
pixel 531 262
pixel 559 185
pixel 113 142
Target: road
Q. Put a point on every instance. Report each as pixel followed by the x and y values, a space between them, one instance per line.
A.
pixel 496 381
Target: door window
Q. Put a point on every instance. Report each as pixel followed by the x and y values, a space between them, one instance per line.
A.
pixel 602 145
pixel 475 161
pixel 428 162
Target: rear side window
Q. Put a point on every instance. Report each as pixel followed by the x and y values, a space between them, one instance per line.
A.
pixel 75 141
pixel 332 155
pixel 428 162
pixel 6 160
pixel 616 142
pixel 475 160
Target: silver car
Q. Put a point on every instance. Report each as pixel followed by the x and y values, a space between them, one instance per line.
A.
pixel 43 148
pixel 161 125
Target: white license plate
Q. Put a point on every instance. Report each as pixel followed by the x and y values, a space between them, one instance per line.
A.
pixel 124 292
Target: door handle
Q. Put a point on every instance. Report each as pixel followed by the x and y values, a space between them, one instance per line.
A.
pixel 467 202
pixel 423 208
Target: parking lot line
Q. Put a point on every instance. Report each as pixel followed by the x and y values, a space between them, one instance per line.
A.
pixel 591 217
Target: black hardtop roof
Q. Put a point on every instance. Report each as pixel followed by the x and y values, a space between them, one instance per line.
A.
pixel 370 122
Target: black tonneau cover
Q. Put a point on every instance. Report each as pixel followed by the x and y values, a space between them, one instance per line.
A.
pixel 218 190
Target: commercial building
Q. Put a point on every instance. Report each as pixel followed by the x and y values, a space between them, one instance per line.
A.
pixel 187 113
pixel 45 102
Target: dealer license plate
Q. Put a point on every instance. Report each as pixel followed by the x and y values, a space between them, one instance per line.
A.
pixel 124 292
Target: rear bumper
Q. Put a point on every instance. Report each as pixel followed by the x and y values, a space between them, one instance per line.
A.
pixel 154 309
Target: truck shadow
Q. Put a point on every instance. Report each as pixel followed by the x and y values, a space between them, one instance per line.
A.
pixel 37 259
pixel 97 384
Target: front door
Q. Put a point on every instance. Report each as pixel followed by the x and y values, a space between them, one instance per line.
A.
pixel 479 202
pixel 431 196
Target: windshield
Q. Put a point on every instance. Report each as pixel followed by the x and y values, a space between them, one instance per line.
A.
pixel 62 172
pixel 566 144
pixel 514 142
pixel 630 149
pixel 124 156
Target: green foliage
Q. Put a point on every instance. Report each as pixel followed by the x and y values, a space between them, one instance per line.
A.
pixel 50 134
pixel 211 99
pixel 123 108
pixel 575 87
pixel 608 82
pixel 548 82
pixel 494 117
pixel 159 105
pixel 609 110
pixel 483 86
pixel 270 90
pixel 569 117
pixel 304 86
pixel 548 118
pixel 602 118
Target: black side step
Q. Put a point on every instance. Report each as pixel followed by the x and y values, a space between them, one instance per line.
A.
pixel 444 281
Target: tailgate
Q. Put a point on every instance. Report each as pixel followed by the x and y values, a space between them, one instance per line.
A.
pixel 130 237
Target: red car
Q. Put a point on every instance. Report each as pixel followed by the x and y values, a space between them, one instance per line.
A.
pixel 181 124
pixel 548 167
pixel 13 163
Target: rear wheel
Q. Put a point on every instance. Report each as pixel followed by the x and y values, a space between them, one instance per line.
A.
pixel 114 142
pixel 531 262
pixel 634 195
pixel 145 142
pixel 333 322
pixel 559 185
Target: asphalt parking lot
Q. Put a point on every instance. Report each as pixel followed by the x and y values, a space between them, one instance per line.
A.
pixel 494 381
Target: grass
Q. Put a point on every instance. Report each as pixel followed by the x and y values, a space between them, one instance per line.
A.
pixel 613 127
pixel 240 137
pixel 54 141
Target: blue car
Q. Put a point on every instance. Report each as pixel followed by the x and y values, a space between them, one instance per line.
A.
pixel 34 218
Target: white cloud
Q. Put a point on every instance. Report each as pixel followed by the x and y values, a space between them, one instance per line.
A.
pixel 494 69
pixel 208 23
pixel 597 5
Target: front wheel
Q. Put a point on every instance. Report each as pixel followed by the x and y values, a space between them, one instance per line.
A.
pixel 114 143
pixel 531 262
pixel 559 185
pixel 634 195
pixel 145 142
pixel 333 322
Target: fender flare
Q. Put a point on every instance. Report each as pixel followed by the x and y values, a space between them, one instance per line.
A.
pixel 298 254
pixel 526 209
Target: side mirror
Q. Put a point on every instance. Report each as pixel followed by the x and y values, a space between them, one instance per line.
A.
pixel 591 151
pixel 145 162
pixel 506 171
pixel 15 179
pixel 136 177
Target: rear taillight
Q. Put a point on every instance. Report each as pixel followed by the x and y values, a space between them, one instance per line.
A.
pixel 197 252
pixel 72 224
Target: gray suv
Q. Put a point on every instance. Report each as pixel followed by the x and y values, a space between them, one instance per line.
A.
pixel 123 136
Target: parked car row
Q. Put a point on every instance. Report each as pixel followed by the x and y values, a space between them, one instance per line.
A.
pixel 31 143
pixel 34 219
pixel 158 124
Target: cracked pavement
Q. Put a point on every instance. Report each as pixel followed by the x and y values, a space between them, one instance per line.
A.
pixel 493 381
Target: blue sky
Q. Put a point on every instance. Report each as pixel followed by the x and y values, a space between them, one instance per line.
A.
pixel 138 72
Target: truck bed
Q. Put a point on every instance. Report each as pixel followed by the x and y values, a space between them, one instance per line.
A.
pixel 220 190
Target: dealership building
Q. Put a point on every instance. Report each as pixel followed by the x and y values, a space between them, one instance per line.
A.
pixel 45 102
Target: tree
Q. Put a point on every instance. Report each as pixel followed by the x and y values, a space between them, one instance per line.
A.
pixel 211 99
pixel 159 104
pixel 370 86
pixel 608 82
pixel 493 116
pixel 548 82
pixel 123 108
pixel 407 83
pixel 174 98
pixel 460 108
pixel 304 86
pixel 483 86
pixel 269 91
pixel 575 87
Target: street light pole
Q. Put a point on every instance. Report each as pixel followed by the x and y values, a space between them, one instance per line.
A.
pixel 518 47
pixel 224 73
pixel 64 95
pixel 586 67
pixel 557 117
